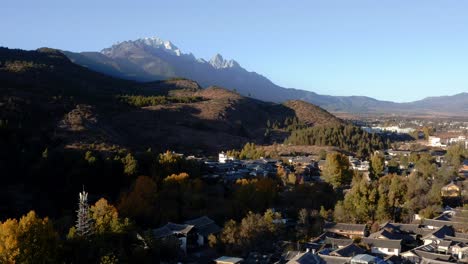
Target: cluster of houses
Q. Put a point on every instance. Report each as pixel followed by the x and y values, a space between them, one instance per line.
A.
pixel 443 142
pixel 439 240
pixel 229 169
pixel 442 240
pixel 192 234
pixel 307 169
pixel 388 129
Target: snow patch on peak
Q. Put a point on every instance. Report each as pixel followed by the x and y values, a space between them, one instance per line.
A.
pixel 159 43
pixel 153 42
pixel 218 62
pixel 147 44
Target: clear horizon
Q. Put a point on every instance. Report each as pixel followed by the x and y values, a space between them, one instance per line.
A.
pixel 396 51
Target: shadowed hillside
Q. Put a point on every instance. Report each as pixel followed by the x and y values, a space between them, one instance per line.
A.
pixel 72 107
pixel 149 59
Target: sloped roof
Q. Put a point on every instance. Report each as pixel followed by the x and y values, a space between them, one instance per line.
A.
pixel 445 219
pixel 364 258
pixel 432 261
pixel 335 260
pixel 432 255
pixel 393 259
pixel 387 225
pixel 209 229
pixel 383 234
pixel 348 251
pixel 440 232
pixel 179 228
pixel 383 243
pixel 404 230
pixel 204 225
pixel 290 254
pixel 171 229
pixel 306 258
pixel 200 221
pixel 457 239
pixel 339 242
pixel 162 232
pixel 226 259
pixel 461 235
pixel 445 243
pixel 408 228
pixel 344 227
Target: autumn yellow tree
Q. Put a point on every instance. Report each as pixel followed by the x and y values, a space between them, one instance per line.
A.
pixel 106 218
pixel 139 202
pixel 30 240
pixel 9 241
pixel 176 177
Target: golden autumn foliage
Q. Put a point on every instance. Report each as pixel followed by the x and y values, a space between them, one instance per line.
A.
pixel 244 181
pixel 30 240
pixel 177 177
pixel 9 241
pixel 139 202
pixel 106 218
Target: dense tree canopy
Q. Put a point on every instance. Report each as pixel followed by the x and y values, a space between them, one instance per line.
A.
pixel 377 165
pixel 347 137
pixel 337 170
pixel 30 240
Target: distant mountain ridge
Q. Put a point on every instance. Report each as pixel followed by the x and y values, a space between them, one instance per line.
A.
pixel 51 100
pixel 149 59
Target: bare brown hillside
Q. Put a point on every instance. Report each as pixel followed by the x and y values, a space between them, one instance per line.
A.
pixel 77 107
pixel 312 114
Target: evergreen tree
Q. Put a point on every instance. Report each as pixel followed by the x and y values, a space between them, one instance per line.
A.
pixel 336 170
pixel 377 165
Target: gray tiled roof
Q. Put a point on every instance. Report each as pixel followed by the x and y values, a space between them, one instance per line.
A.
pixel 457 239
pixel 344 227
pixel 405 228
pixel 397 235
pixel 350 250
pixel 364 258
pixel 209 229
pixel 445 243
pixel 200 221
pixel 162 232
pixel 432 261
pixel 458 222
pixel 339 242
pixel 440 232
pixel 461 235
pixel 409 228
pixel 306 258
pixel 204 225
pixel 334 260
pixel 383 233
pixel 290 254
pixel 383 243
pixel 180 229
pixel 171 229
pixel 431 255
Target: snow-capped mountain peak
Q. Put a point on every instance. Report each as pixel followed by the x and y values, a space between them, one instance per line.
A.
pixel 153 42
pixel 218 62
pixel 159 43
pixel 151 46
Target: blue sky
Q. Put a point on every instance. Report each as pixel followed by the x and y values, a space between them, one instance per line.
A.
pixel 395 50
